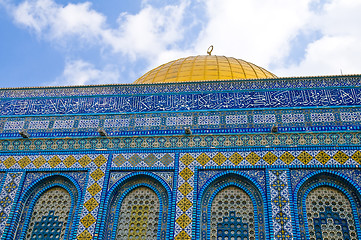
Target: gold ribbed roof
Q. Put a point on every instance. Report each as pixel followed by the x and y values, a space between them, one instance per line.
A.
pixel 204 68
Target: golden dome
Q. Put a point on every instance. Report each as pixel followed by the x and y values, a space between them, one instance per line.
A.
pixel 204 68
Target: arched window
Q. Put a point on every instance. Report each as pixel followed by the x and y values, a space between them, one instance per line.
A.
pixel 329 215
pixel 138 209
pixel 139 215
pixel 231 207
pixel 232 215
pixel 47 210
pixel 50 215
pixel 328 207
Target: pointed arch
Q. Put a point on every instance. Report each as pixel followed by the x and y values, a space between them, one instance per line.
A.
pixel 52 200
pixel 135 195
pixel 327 200
pixel 227 203
pixel 138 215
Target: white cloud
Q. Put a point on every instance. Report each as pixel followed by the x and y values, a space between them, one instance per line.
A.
pixel 55 22
pixel 328 56
pixel 263 32
pixel 79 72
pixel 35 15
pixel 150 34
pixel 259 31
pixel 145 34
pixel 339 49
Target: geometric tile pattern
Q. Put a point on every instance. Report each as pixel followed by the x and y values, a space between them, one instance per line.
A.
pixel 326 203
pixel 143 160
pixel 184 207
pixel 233 190
pixel 51 192
pixel 139 215
pixel 199 141
pixel 116 176
pixel 228 219
pixel 185 183
pixel 96 163
pixel 51 224
pixel 281 212
pixel 97 166
pixel 80 177
pixel 280 202
pixel 329 214
pixel 249 120
pixel 300 174
pixel 14 125
pixel 137 193
pixel 280 205
pixel 256 175
pixel 38 124
pixel 167 177
pixel 188 161
pixel 7 196
pixel 232 231
pixel 50 214
pixel 280 157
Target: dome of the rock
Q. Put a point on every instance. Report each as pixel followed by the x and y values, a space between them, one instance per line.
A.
pixel 204 68
pixel 223 150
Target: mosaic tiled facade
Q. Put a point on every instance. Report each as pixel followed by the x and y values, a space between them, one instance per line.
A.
pixel 264 159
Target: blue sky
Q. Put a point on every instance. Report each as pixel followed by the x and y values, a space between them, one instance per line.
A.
pixel 65 42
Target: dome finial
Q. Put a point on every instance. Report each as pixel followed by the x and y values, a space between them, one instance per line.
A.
pixel 209 50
